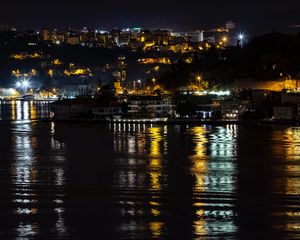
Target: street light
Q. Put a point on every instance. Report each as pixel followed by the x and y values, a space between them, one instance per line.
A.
pixel 225 40
pixel 199 78
pixel 23 84
pixel 241 37
pixel 18 84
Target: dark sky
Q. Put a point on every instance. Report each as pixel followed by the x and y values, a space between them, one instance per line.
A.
pixel 251 15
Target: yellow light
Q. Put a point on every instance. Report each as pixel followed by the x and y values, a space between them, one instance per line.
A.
pixel 33 72
pixel 57 62
pixel 156 68
pixel 51 73
pixel 156 229
pixel 224 39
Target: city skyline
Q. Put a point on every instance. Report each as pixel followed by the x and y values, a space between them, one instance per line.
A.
pixel 256 17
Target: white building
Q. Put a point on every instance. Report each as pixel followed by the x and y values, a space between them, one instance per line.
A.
pixel 149 106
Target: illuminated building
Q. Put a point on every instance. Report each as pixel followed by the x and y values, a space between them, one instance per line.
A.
pixel 145 36
pixel 102 38
pixel 119 72
pixel 232 108
pixel 114 34
pixel 194 36
pixel 73 39
pixel 178 45
pixel 124 37
pixel 150 106
pixel 73 91
pixel 45 34
pixel 26 55
pixel 162 60
pixel 53 36
pixel 218 35
pixel 161 37
pixel 106 111
pixel 135 32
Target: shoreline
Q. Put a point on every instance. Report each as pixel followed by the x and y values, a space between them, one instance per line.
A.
pixel 176 122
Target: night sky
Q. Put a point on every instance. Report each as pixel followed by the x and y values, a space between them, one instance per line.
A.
pixel 255 16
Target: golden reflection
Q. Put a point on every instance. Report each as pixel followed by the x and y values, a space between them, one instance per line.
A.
pixel 156 229
pixel 139 142
pixel 155 182
pixel 199 171
pixel 290 151
pixel 291 171
pixel 155 212
pixel 199 159
pixel 293 226
pixel 286 147
pixel 200 141
pixel 13 110
pixel 33 110
pixel 156 135
pixel 292 139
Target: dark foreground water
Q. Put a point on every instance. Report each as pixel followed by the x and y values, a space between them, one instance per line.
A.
pixel 60 181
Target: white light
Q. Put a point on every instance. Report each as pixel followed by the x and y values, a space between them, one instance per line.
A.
pixel 25 83
pixel 18 84
pixel 241 36
pixel 220 93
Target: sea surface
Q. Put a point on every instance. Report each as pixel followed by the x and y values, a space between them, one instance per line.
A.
pixel 135 181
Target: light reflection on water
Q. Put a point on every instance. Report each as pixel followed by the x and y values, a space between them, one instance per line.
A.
pixel 286 146
pixel 156 182
pixel 24 110
pixel 214 170
pixel 144 147
pixel 30 177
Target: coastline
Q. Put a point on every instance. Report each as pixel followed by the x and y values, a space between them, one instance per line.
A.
pixel 176 122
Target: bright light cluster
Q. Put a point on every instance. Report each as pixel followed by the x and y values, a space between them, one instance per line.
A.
pixel 23 84
pixel 218 93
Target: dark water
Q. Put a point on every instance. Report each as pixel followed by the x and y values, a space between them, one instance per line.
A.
pixel 61 181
